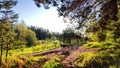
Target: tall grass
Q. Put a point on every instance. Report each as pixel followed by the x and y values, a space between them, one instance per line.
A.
pixel 100 44
pixel 16 58
pixel 33 49
pixel 54 63
pixel 21 62
pixel 103 58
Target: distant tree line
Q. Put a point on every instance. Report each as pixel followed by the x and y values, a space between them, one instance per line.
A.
pixel 68 35
pixel 42 34
pixel 29 35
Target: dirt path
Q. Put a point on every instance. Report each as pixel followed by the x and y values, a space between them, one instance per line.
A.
pixel 40 63
pixel 71 53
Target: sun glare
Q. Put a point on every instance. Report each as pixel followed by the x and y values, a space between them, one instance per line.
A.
pixel 48 20
pixel 40 17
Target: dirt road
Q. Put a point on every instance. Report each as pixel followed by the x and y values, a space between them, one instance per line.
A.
pixel 71 53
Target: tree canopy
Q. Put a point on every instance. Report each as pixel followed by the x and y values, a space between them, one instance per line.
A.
pixel 82 11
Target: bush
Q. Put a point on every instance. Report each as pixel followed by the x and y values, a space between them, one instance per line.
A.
pixel 39 42
pixel 19 44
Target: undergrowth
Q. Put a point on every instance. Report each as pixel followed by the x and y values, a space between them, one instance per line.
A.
pixel 54 63
pixel 21 62
pixel 103 58
pixel 16 58
pixel 100 44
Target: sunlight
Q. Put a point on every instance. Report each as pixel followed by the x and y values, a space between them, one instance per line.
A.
pixel 48 20
pixel 40 17
pixel 87 35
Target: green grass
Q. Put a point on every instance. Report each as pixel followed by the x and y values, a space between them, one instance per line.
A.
pixel 106 57
pixel 54 63
pixel 100 44
pixel 33 49
pixel 32 60
pixel 21 61
pixel 103 58
pixel 16 57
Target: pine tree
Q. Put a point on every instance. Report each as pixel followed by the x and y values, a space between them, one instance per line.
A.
pixel 7 19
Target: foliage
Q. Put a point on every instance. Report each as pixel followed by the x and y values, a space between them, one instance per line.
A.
pixel 24 35
pixel 17 60
pixel 34 59
pixel 70 36
pixel 92 45
pixel 53 38
pixel 34 49
pixel 101 59
pixel 21 61
pixel 43 34
pixel 100 45
pixel 85 59
pixel 7 20
pixel 83 42
pixel 105 30
pixel 30 38
pixel 21 31
pixel 54 63
pixel 82 11
pixel 105 35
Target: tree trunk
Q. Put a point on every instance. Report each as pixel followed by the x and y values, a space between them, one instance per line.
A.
pixel 1 52
pixel 7 49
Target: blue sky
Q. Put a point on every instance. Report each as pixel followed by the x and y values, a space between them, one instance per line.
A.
pixel 32 15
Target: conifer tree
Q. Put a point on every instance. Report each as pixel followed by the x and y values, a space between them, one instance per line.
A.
pixel 7 19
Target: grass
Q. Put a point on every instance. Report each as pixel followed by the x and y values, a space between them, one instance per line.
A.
pixel 33 49
pixel 16 57
pixel 54 63
pixel 85 59
pixel 21 61
pixel 100 44
pixel 103 58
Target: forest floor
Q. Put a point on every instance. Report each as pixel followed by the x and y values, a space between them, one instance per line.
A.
pixel 70 53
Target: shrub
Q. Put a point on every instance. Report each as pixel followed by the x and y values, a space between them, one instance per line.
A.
pixel 19 44
pixel 30 39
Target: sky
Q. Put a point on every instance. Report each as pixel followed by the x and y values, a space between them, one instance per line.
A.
pixel 40 17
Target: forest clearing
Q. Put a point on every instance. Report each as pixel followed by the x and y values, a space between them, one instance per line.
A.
pixel 60 34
